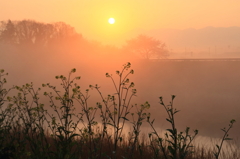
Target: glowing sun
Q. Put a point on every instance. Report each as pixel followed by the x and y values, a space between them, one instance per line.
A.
pixel 111 20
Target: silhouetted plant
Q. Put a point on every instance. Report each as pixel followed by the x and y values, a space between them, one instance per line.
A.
pixel 7 115
pixel 30 121
pixel 115 109
pixel 12 143
pixel 225 137
pixel 59 130
pixel 136 124
pixel 62 126
pixel 178 143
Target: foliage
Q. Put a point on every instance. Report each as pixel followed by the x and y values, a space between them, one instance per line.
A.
pixel 68 127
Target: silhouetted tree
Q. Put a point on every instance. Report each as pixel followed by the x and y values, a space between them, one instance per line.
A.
pixel 147 47
pixel 27 32
pixel 63 30
pixel 8 32
pixel 30 32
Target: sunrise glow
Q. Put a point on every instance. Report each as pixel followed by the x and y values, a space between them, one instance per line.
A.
pixel 111 20
pixel 55 99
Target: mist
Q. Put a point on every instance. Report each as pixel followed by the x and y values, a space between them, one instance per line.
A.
pixel 207 92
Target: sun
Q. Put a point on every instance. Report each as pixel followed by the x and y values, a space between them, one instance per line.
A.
pixel 111 20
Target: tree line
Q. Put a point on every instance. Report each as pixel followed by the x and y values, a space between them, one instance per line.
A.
pixel 30 33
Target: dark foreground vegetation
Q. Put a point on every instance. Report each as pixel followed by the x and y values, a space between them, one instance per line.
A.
pixel 68 127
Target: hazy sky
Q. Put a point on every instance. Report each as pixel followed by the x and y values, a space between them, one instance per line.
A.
pixel 90 17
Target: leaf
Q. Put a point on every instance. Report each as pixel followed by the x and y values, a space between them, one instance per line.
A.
pixel 172 131
pixel 160 140
pixel 166 134
pixel 169 141
pixel 232 121
pixel 125 118
pixel 171 150
pixel 73 136
pixel 228 139
pixel 153 121
pixel 170 121
pixel 176 111
pixel 149 135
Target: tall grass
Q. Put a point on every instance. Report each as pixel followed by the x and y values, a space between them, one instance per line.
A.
pixel 68 127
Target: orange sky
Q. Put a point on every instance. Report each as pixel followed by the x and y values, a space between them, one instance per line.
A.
pixel 90 17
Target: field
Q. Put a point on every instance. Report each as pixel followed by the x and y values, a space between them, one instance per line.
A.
pixel 65 121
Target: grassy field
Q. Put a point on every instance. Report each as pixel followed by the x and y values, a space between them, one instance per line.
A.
pixel 68 127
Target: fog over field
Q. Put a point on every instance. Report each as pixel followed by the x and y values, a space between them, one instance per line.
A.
pixel 86 58
pixel 207 92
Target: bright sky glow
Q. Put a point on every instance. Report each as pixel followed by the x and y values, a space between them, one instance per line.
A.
pixel 89 17
pixel 111 20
